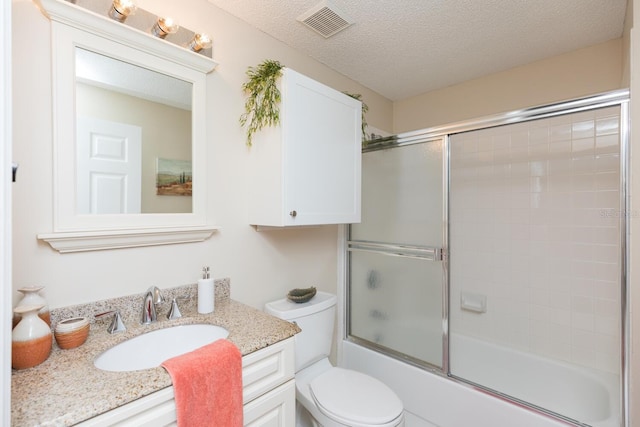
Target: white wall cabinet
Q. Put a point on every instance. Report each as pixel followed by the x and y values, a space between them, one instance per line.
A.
pixel 306 171
pixel 268 394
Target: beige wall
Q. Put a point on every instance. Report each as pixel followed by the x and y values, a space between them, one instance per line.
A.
pixel 626 45
pixel 262 265
pixel 579 73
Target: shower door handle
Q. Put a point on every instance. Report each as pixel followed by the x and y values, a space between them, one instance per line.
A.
pixel 429 253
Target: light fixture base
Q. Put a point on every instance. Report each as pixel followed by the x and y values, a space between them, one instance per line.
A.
pixel 142 20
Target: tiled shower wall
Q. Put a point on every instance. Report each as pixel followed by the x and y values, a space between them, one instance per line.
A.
pixel 534 227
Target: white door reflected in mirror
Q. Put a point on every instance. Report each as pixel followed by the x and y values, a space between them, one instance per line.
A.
pixel 109 167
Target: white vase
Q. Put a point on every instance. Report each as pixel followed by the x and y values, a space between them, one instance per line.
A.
pixel 31 339
pixel 32 297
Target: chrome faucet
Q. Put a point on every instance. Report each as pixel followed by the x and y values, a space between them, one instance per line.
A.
pixel 152 298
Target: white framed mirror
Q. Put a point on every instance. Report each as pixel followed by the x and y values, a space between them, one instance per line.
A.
pixel 133 138
pixel 129 136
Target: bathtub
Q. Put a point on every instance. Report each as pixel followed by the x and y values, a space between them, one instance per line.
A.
pixel 432 400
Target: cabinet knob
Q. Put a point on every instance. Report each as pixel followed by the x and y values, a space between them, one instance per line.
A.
pixel 293 213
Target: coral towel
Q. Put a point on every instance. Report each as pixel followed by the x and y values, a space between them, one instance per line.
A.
pixel 207 384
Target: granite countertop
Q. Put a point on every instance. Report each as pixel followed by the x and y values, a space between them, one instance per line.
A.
pixel 67 389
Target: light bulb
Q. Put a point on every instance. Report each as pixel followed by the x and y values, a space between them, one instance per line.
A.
pixel 200 41
pixel 121 9
pixel 164 26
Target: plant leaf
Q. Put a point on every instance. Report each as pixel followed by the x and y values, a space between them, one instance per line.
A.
pixel 262 107
pixel 365 108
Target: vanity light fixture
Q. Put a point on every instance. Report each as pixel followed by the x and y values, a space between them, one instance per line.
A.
pixel 164 26
pixel 200 41
pixel 121 9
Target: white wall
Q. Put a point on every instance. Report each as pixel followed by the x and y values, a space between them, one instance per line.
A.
pixel 262 265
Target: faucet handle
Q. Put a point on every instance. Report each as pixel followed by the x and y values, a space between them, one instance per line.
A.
pixel 174 311
pixel 117 325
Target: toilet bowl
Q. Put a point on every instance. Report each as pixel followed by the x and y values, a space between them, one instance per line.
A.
pixel 332 396
pixel 336 397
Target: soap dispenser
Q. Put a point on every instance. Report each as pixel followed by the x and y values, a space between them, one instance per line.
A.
pixel 206 297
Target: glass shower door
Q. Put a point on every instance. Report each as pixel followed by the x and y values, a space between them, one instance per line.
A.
pixel 535 238
pixel 395 253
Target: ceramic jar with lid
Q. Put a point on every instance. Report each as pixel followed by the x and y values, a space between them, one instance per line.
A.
pixel 32 297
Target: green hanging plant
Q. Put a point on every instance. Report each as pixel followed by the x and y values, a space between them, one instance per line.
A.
pixel 262 107
pixel 365 108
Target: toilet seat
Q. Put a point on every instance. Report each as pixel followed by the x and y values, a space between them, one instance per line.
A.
pixel 355 399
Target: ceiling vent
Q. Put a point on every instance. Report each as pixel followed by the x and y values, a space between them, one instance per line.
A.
pixel 325 19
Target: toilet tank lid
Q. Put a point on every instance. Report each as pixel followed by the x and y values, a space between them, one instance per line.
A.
pixel 287 310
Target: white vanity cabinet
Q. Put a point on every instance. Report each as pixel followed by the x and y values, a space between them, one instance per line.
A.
pixel 306 171
pixel 268 395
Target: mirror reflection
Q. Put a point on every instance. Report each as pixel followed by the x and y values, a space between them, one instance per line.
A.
pixel 133 138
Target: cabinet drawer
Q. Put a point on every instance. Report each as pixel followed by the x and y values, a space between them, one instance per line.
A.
pixel 154 410
pixel 274 409
pixel 265 369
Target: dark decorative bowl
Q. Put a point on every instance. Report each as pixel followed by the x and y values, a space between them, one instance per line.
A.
pixel 300 295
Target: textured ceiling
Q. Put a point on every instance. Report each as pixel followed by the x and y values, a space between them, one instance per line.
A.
pixel 402 48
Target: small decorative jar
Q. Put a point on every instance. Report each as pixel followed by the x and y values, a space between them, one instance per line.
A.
pixel 31 339
pixel 32 297
pixel 72 333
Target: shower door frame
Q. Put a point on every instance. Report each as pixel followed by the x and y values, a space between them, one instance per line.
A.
pixel 426 253
pixel 609 99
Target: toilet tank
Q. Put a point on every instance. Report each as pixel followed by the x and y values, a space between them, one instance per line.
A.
pixel 315 318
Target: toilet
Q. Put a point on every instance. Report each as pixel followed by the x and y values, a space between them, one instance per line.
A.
pixel 330 396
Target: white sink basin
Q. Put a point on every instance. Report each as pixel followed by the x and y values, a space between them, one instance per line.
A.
pixel 151 349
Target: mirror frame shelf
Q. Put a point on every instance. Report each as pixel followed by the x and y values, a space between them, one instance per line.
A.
pixel 74 27
pixel 120 239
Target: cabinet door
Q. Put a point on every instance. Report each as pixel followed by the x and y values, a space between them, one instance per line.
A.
pixel 274 409
pixel 265 369
pixel 322 153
